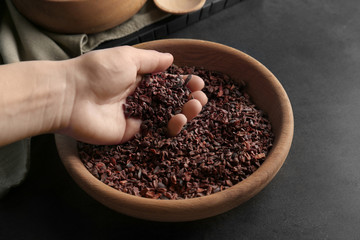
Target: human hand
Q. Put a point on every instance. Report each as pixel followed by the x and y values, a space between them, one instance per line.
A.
pixel 99 84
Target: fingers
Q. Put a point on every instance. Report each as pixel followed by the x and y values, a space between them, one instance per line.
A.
pixel 197 98
pixel 195 83
pixel 192 108
pixel 150 61
pixel 175 124
pixel 200 96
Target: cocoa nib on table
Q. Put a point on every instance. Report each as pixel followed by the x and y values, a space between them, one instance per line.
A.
pixel 223 145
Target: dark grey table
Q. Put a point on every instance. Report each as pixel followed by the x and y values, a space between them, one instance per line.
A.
pixel 313 47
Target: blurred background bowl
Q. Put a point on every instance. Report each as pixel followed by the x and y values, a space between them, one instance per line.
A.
pixel 78 16
pixel 265 91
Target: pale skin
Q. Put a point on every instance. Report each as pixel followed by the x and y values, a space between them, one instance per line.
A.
pixel 82 97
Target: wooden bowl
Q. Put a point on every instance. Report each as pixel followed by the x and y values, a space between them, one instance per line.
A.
pixel 78 16
pixel 264 89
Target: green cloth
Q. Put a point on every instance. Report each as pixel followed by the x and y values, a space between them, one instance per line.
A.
pixel 20 40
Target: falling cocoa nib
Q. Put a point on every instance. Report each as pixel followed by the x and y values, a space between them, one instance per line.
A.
pixel 222 146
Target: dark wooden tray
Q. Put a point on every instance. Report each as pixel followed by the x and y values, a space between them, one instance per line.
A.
pixel 171 24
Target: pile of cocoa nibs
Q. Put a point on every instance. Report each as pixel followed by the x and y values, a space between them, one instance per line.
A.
pixel 222 146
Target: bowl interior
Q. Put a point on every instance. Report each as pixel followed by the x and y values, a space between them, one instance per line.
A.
pixel 265 91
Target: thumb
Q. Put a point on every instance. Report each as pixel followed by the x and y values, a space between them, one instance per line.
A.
pixel 151 61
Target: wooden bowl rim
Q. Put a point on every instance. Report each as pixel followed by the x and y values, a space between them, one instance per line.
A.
pixel 250 186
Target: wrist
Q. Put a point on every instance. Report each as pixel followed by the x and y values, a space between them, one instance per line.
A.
pixel 35 98
pixel 65 90
pixel 52 96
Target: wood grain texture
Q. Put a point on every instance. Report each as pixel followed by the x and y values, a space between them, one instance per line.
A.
pixel 179 6
pixel 267 93
pixel 85 16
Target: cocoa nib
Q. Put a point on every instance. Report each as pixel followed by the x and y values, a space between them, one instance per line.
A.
pixel 222 146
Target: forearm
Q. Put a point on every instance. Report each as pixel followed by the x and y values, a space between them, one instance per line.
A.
pixel 81 97
pixel 34 99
